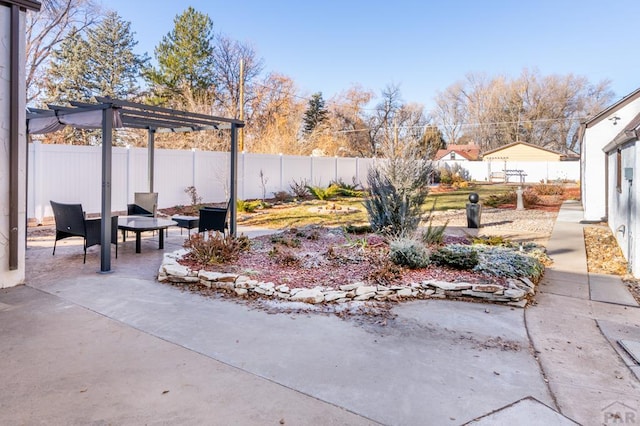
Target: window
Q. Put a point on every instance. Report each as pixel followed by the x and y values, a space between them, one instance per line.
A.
pixel 452 156
pixel 619 170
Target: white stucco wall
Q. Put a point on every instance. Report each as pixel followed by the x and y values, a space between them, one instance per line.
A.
pixel 594 183
pixel 623 205
pixel 10 278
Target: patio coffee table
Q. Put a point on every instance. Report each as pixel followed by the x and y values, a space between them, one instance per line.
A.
pixel 139 224
pixel 188 222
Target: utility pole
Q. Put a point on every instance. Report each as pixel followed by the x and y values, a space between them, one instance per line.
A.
pixel 241 104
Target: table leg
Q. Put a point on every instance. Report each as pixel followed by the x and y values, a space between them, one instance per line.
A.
pixel 161 240
pixel 138 242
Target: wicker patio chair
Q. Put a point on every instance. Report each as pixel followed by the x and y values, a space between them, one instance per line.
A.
pixel 71 222
pixel 213 219
pixel 144 204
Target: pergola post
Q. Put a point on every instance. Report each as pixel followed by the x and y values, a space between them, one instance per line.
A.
pixel 233 180
pixel 105 223
pixel 151 157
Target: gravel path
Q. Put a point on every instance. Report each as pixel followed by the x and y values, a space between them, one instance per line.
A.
pixel 499 220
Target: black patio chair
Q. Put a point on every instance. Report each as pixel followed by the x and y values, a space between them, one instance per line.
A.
pixel 71 222
pixel 144 204
pixel 213 219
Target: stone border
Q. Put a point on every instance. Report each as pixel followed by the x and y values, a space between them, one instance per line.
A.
pixel 515 295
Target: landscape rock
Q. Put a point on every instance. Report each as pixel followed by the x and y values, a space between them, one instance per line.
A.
pixel 352 286
pixel 449 286
pixel 308 295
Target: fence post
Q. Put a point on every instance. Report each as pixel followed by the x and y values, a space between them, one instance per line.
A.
pixel 36 185
pixel 193 167
pixel 281 172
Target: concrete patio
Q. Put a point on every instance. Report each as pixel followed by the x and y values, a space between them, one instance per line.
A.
pixel 121 348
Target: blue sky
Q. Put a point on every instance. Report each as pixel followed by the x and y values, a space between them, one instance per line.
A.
pixel 422 46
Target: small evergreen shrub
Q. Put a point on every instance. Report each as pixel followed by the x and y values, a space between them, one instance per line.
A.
pixel 409 253
pixel 433 234
pixel 348 190
pixel 457 256
pixel 246 206
pixel 324 193
pixel 216 248
pixel 506 262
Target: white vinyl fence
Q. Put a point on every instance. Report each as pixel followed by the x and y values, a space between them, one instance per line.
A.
pixel 72 174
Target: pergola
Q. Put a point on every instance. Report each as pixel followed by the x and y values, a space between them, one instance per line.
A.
pixel 108 114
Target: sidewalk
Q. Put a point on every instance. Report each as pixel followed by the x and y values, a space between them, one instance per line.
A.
pixel 589 375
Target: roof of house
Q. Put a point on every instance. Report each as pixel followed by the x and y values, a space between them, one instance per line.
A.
pixel 469 151
pixel 630 132
pixel 444 152
pixel 612 108
pixel 527 144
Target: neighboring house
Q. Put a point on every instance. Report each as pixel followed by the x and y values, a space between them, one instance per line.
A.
pixel 13 146
pixel 595 133
pixel 453 152
pixel 522 151
pixel 623 162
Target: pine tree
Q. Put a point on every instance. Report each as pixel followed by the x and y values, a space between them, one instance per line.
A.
pixel 101 65
pixel 185 58
pixel 65 79
pixel 114 68
pixel 316 113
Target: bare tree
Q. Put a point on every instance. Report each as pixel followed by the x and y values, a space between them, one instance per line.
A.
pixel 46 29
pixel 450 112
pixel 227 56
pixel 542 110
pixel 348 122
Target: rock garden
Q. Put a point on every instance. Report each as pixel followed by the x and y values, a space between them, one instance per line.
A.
pixel 419 255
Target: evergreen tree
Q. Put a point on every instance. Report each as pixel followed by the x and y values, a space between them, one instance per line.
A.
pixel 316 113
pixel 113 67
pixel 185 58
pixel 65 79
pixel 101 65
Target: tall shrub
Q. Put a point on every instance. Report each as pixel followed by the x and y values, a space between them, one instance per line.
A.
pixel 398 187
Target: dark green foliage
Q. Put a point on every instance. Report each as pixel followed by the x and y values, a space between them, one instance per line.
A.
pixel 185 58
pixel 358 229
pixel 315 114
pixel 434 234
pixel 409 253
pixel 456 256
pixel 102 64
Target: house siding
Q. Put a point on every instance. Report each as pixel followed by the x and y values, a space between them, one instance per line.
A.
pixel 594 160
pixel 623 210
